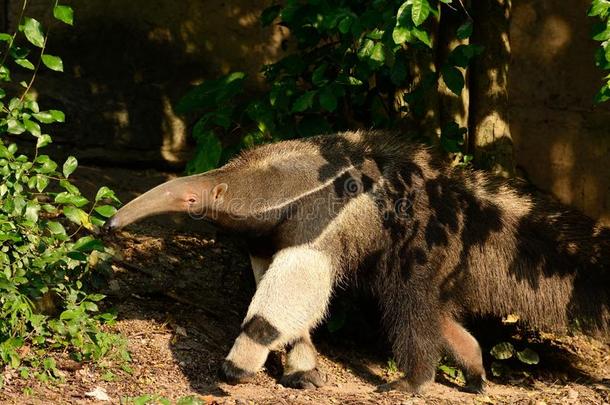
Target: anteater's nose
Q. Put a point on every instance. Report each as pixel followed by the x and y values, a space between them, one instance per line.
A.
pixel 111 224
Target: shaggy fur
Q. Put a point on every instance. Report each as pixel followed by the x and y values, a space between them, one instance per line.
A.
pixel 434 243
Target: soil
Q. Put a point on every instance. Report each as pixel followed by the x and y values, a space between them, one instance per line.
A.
pixel 181 291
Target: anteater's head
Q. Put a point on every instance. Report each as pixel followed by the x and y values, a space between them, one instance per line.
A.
pixel 197 195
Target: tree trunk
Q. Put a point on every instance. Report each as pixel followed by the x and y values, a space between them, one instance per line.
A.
pixel 452 107
pixel 491 139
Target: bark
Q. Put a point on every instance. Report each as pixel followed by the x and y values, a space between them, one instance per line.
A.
pixel 491 139
pixel 452 107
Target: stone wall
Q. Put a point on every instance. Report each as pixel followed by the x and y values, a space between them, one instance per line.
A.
pixel 562 139
pixel 133 59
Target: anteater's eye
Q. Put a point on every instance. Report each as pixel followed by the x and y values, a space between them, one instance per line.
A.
pixel 192 200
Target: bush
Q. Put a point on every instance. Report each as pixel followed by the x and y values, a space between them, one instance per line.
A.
pixel 46 260
pixel 356 64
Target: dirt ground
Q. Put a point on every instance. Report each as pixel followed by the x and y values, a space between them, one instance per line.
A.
pixel 181 291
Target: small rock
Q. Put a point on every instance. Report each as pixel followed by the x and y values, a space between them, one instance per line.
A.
pixel 98 393
pixel 180 330
pixel 114 285
pixel 572 394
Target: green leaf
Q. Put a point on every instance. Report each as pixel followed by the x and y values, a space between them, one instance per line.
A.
pixel 69 187
pixel 270 14
pixel 69 166
pixel 25 63
pixel 502 351
pixel 345 24
pixel 211 93
pixel 32 105
pixel 499 369
pixel 378 54
pixel 44 116
pixel 15 127
pixel 328 100
pixel 106 210
pixel 47 166
pixel 462 55
pixel 403 17
pixel 53 62
pixel 88 244
pixel 209 150
pixel 68 198
pixel 4 37
pixel 41 182
pixel 420 11
pixel 453 78
pixel 77 216
pixel 57 115
pixel 317 76
pixel 32 127
pixel 33 31
pixel 422 36
pixel 97 221
pixel 96 297
pixel 465 30
pixel 5 74
pixel 366 49
pixel 64 14
pixel 304 102
pixel 105 192
pixel 43 141
pixel 31 211
pixel 400 35
pixel 598 7
pixel 602 95
pixel 528 356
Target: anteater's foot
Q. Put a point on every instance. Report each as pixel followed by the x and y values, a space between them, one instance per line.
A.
pixel 400 385
pixel 475 384
pixel 232 374
pixel 304 379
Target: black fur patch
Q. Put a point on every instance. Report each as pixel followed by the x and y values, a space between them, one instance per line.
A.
pixel 260 330
pixel 232 374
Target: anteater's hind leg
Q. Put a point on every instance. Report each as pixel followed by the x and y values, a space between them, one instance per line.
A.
pixel 412 318
pixel 290 300
pixel 466 351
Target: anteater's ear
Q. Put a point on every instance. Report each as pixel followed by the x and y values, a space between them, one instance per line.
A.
pixel 219 190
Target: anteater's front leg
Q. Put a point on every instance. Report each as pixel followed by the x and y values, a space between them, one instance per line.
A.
pixel 290 300
pixel 301 369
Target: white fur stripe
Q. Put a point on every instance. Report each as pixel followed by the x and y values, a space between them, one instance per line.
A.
pixel 289 201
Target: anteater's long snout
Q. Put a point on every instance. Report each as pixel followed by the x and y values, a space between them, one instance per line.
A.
pixel 167 197
pixel 111 224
